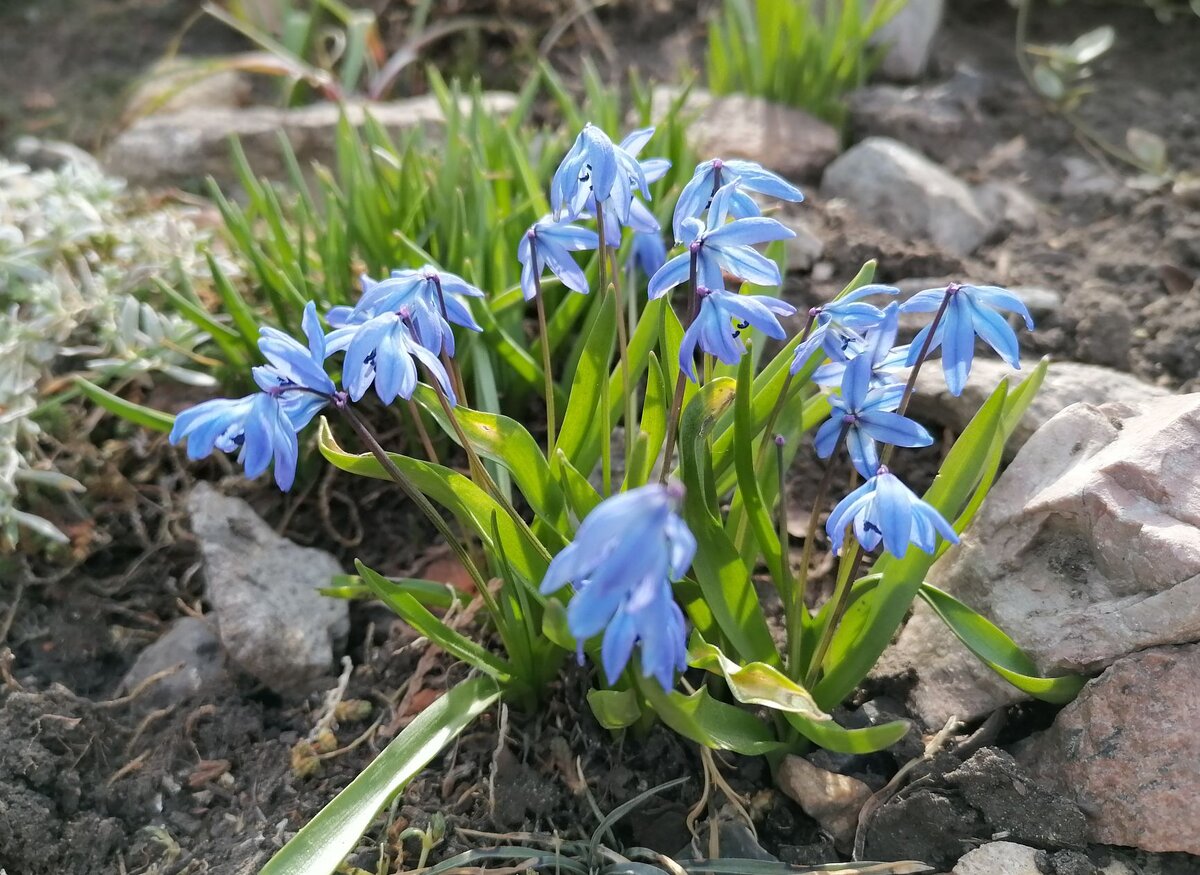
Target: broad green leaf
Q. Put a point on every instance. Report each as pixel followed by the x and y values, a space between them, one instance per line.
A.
pixel 579 420
pixel 755 683
pixel 839 739
pixel 506 442
pixel 869 624
pixel 652 426
pixel 580 494
pixel 714 724
pixel 322 844
pixel 416 615
pixel 430 593
pixel 138 414
pixel 723 577
pixel 615 709
pixel 453 491
pixel 745 447
pixel 999 652
pixel 554 625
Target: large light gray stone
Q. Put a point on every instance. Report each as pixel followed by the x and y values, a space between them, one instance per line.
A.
pixel 787 140
pixel 1066 383
pixel 192 649
pixel 1086 550
pixel 909 36
pixel 999 858
pixel 184 147
pixel 909 195
pixel 263 591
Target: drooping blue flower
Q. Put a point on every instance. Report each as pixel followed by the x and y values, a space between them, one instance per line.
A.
pixel 970 311
pixel 722 318
pixel 423 293
pixel 622 561
pixel 867 416
pixel 839 327
pixel 711 175
pixel 649 252
pixel 621 208
pixel 294 365
pixel 721 247
pixel 256 427
pixel 884 509
pixel 553 242
pixel 877 346
pixel 380 352
pixel 589 169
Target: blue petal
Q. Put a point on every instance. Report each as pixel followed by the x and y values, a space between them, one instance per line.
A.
pixel 563 266
pixel 826 439
pixel 691 203
pixel 865 291
pixel 856 382
pixel 755 310
pixel 894 502
pixel 617 647
pixel 1002 299
pixel 996 333
pixel 687 349
pixel 892 428
pixel 746 264
pixel 805 350
pixel 864 455
pixel 744 232
pixel 671 274
pixel 924 301
pixel 756 178
pixel 958 345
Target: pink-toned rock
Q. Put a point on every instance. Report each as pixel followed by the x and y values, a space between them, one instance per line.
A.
pixel 832 800
pixel 1128 752
pixel 1087 549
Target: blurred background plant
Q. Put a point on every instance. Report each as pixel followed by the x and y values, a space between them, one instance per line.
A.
pixel 76 255
pixel 806 54
pixel 1062 74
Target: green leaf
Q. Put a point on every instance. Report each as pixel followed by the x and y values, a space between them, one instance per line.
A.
pixel 999 652
pixel 147 417
pixel 755 683
pixel 615 709
pixel 839 739
pixel 453 491
pixel 581 495
pixel 320 847
pixel 869 624
pixel 506 442
pixel 579 420
pixel 430 593
pixel 723 577
pixel 748 478
pixel 713 724
pixel 416 615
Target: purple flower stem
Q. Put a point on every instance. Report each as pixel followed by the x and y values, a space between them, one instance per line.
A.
pixel 622 335
pixel 547 372
pixel 796 631
pixel 680 382
pixel 418 498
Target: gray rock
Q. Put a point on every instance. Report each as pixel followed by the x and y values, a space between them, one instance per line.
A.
pixel 1009 204
pixel 931 118
pixel 1066 383
pixel 909 36
pixel 184 147
pixel 781 138
pixel 832 800
pixel 1086 550
pixel 1042 302
pixel 263 592
pixel 803 250
pixel 999 858
pixel 1128 752
pixel 42 154
pixel 1084 178
pixel 907 194
pixel 189 643
pixel 182 83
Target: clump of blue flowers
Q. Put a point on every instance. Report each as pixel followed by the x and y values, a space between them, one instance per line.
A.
pixel 637 586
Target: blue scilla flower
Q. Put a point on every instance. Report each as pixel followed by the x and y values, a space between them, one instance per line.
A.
pixel 867 416
pixel 621 208
pixel 970 311
pixel 884 509
pixel 720 247
pixel 649 252
pixel 549 243
pixel 712 175
pixel 380 352
pixel 622 561
pixel 293 365
pixel 589 170
pixel 430 296
pixel 257 428
pixel 877 347
pixel 723 317
pixel 838 328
